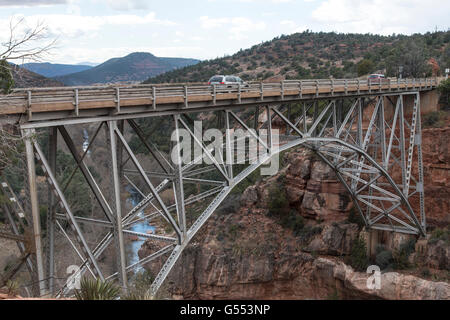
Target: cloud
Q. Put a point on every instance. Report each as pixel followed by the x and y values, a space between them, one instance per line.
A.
pixel 292 27
pixel 125 5
pixel 29 3
pixel 70 25
pixel 382 16
pixel 237 27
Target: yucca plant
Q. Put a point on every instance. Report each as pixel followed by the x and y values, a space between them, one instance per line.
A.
pixel 13 287
pixel 91 289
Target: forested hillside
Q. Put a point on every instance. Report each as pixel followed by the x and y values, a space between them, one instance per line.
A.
pixel 50 70
pixel 24 78
pixel 322 55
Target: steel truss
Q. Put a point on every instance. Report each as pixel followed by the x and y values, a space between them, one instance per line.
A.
pixel 377 158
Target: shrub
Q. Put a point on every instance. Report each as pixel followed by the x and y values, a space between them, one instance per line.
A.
pixel 355 217
pixel 440 234
pixel 294 222
pixel 434 119
pixel 308 232
pixel 384 259
pixel 365 67
pixel 401 255
pixel 12 287
pixel 425 273
pixel 358 256
pixel 444 89
pixel 139 290
pixel 334 295
pixel 278 203
pixel 97 290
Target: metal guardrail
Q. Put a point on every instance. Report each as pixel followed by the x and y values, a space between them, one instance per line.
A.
pixel 160 94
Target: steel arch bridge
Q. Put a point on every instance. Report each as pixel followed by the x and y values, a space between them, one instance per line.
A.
pixel 368 133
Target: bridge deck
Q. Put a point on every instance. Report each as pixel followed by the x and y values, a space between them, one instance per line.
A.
pixel 82 102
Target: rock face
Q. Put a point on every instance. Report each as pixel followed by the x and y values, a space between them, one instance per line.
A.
pixel 263 265
pixel 311 188
pixel 437 255
pixel 437 175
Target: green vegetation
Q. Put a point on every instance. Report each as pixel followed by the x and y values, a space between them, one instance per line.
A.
pixel 6 77
pixel 295 222
pixel 308 232
pixel 425 273
pixel 358 256
pixel 444 89
pixel 383 258
pixel 155 130
pixel 440 235
pixel 397 259
pixel 279 208
pixel 139 290
pixel 435 119
pixel 366 66
pixel 278 203
pixel 401 255
pixel 355 217
pixel 251 180
pixel 288 218
pixel 12 288
pixel 334 295
pixel 78 192
pixel 91 289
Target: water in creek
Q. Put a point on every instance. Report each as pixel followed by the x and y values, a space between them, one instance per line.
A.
pixel 142 227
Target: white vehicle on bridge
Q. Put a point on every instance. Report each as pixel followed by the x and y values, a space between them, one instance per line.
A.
pixel 227 80
pixel 377 79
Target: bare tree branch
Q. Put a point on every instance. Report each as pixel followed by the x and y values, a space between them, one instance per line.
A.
pixel 32 44
pixel 23 44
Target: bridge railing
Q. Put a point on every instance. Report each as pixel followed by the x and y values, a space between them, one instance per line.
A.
pixel 153 94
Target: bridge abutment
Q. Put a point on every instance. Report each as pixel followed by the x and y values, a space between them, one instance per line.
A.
pixel 390 240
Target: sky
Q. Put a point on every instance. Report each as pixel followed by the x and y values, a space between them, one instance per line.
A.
pixel 97 30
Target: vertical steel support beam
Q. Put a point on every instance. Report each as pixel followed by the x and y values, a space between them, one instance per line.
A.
pixel 52 149
pixel 118 204
pixel 288 132
pixel 229 153
pixel 31 167
pixel 382 129
pixel 256 119
pixel 178 183
pixel 420 166
pixel 120 126
pixel 360 122
pixel 305 126
pixel 402 142
pixel 316 114
pixel 269 129
pixel 335 129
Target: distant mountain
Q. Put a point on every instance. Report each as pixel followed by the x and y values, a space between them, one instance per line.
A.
pixel 135 67
pixel 24 78
pixel 91 64
pixel 51 70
